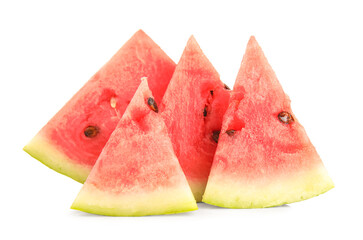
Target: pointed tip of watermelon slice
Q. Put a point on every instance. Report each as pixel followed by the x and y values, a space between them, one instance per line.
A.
pixel 141 36
pixel 252 40
pixel 193 53
pixel 192 45
pixel 140 32
pixel 255 68
pixel 192 39
pixel 253 47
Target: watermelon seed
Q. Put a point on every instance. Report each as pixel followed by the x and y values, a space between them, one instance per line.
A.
pixel 230 132
pixel 226 87
pixel 152 104
pixel 211 92
pixel 113 102
pixel 286 117
pixel 205 111
pixel 215 136
pixel 91 131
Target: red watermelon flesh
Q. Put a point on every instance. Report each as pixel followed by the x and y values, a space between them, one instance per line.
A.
pixel 264 157
pixel 193 108
pixel 137 172
pixel 73 139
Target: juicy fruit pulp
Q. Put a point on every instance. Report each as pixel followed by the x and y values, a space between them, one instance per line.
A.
pixel 137 172
pixel 193 108
pixel 268 160
pixel 72 140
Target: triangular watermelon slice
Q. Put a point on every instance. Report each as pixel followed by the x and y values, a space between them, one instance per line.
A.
pixel 193 108
pixel 264 157
pixel 137 172
pixel 72 140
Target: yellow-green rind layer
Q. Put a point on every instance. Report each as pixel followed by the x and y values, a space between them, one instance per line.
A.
pixel 159 202
pixel 224 191
pixel 42 150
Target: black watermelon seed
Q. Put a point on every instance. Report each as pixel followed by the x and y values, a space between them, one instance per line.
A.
pixel 231 132
pixel 286 117
pixel 215 136
pixel 152 104
pixel 226 87
pixel 205 111
pixel 91 131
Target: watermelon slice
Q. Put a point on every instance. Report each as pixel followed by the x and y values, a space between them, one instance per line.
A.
pixel 72 140
pixel 264 157
pixel 193 108
pixel 137 172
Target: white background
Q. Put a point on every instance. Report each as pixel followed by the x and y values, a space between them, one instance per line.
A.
pixel 49 50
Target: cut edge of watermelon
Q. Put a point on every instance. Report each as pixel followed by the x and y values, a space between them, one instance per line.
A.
pixel 93 200
pixel 287 190
pixel 40 149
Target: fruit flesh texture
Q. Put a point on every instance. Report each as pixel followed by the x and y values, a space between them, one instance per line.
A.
pixel 193 108
pixel 62 144
pixel 265 162
pixel 137 172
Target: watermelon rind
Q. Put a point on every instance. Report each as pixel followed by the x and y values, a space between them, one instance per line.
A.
pixel 40 149
pixel 94 201
pixel 227 192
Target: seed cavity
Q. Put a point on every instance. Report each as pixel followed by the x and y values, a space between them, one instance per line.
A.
pixel 286 117
pixel 231 132
pixel 226 87
pixel 152 104
pixel 215 136
pixel 205 111
pixel 91 131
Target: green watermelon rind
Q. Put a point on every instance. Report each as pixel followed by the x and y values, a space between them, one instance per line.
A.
pixel 112 212
pixel 307 185
pixel 92 200
pixel 47 154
